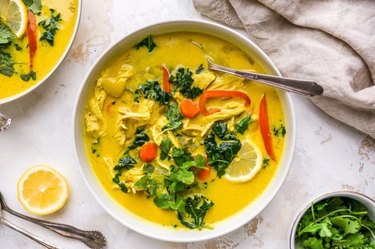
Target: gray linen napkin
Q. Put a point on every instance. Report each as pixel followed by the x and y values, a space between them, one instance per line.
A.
pixel 329 41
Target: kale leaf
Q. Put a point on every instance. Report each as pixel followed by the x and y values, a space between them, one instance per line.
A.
pixel 152 90
pixel 182 80
pixel 243 124
pixel 148 42
pixel 220 155
pixel 140 139
pixel 126 162
pixel 51 26
pixel 196 208
pixel 174 117
pixel 221 131
pixel 199 69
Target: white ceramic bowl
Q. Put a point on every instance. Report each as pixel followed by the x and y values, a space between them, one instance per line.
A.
pixel 365 200
pixel 151 229
pixel 28 90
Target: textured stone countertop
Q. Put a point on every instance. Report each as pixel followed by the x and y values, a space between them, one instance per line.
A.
pixel 328 155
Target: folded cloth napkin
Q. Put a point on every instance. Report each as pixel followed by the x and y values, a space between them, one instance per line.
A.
pixel 329 41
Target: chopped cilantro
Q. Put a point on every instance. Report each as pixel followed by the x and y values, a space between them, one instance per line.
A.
pixel 199 69
pixel 50 26
pixel 26 77
pixel 281 130
pixel 174 117
pixel 266 162
pixel 6 35
pixel 34 6
pixel 337 222
pixel 165 146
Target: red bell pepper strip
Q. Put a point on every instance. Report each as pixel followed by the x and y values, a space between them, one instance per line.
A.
pixel 203 174
pixel 264 127
pixel 31 35
pixel 209 94
pixel 166 85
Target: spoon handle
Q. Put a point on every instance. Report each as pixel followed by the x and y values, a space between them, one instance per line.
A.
pixel 93 239
pixel 28 234
pixel 304 87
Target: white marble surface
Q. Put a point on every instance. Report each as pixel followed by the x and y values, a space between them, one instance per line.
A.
pixel 329 155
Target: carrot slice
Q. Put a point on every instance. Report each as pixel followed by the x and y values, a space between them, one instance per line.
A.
pixel 189 108
pixel 149 152
pixel 265 128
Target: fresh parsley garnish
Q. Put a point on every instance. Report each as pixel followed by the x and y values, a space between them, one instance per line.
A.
pixel 51 26
pixel 148 42
pixel 182 80
pixel 266 162
pixel 336 223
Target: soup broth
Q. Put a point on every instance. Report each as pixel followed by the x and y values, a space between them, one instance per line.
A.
pixel 46 55
pixel 122 109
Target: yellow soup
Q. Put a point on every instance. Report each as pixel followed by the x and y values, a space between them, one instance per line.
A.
pixel 176 143
pixel 56 22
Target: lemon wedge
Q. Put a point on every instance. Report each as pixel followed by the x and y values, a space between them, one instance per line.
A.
pixel 42 190
pixel 246 164
pixel 14 14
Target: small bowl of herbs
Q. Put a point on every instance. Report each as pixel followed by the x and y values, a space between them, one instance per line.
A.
pixel 341 219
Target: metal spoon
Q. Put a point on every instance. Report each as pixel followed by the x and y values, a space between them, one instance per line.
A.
pixel 24 232
pixel 304 87
pixel 4 122
pixel 93 239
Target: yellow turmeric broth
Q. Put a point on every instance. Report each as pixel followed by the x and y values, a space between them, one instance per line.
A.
pixel 116 109
pixel 46 55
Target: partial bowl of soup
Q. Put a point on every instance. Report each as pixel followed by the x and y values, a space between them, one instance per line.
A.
pixel 174 150
pixel 35 37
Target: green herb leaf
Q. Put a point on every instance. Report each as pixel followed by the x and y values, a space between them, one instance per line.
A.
pixel 148 42
pixel 6 35
pixel 34 6
pixel 6 64
pixel 51 26
pixel 243 124
pixel 182 80
pixel 180 156
pixel 196 208
pixel 220 155
pixel 174 117
pixel 313 243
pixel 199 69
pixel 140 139
pixel 152 90
pixel 266 162
pixel 28 76
pixel 126 162
pixel 281 130
pixel 165 146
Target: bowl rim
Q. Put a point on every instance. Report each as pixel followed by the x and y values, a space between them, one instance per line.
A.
pixel 358 196
pixel 200 236
pixel 58 63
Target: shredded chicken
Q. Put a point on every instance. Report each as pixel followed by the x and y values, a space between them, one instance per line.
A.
pixel 95 122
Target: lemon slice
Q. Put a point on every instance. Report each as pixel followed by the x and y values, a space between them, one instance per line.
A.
pixel 246 164
pixel 14 14
pixel 42 190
